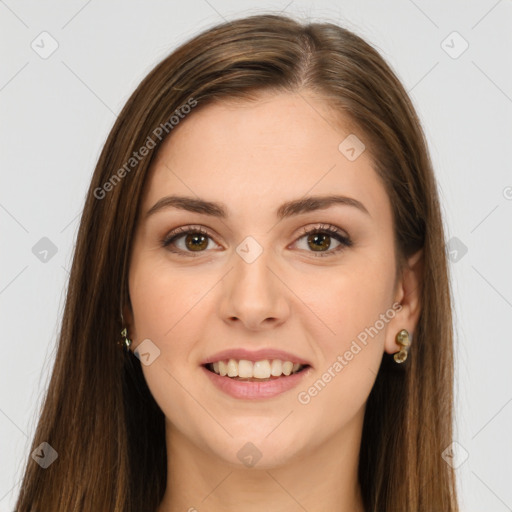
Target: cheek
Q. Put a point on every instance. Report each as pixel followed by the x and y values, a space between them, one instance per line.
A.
pixel 349 362
pixel 162 300
pixel 355 308
pixel 352 300
pixel 167 308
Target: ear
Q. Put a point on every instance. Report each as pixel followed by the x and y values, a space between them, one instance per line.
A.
pixel 408 295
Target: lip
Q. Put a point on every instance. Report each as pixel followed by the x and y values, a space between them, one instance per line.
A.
pixel 256 390
pixel 255 355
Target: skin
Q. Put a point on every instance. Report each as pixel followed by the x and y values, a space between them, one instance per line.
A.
pixel 252 157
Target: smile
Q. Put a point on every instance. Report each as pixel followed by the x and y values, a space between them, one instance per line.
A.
pixel 245 369
pixel 252 380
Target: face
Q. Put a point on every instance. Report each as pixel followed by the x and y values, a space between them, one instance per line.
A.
pixel 315 280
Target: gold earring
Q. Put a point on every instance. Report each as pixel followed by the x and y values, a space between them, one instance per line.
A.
pixel 125 342
pixel 402 339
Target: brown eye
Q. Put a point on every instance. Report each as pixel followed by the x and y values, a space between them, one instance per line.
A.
pixel 196 241
pixel 319 240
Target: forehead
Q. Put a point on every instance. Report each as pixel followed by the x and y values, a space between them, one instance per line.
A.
pixel 256 154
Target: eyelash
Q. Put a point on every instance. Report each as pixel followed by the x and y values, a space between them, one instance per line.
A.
pixel 328 229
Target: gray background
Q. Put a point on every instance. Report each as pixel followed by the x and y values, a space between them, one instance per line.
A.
pixel 57 111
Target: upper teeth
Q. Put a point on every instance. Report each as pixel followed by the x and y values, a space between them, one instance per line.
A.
pixel 259 369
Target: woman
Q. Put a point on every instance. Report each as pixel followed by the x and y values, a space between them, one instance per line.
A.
pixel 263 228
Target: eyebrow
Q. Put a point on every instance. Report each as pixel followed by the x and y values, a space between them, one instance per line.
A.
pixel 288 209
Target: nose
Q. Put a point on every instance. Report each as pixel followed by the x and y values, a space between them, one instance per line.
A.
pixel 254 295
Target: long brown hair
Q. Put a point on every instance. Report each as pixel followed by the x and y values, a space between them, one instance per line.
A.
pixel 99 414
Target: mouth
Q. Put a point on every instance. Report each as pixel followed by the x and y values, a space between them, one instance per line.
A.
pixel 245 380
pixel 265 370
